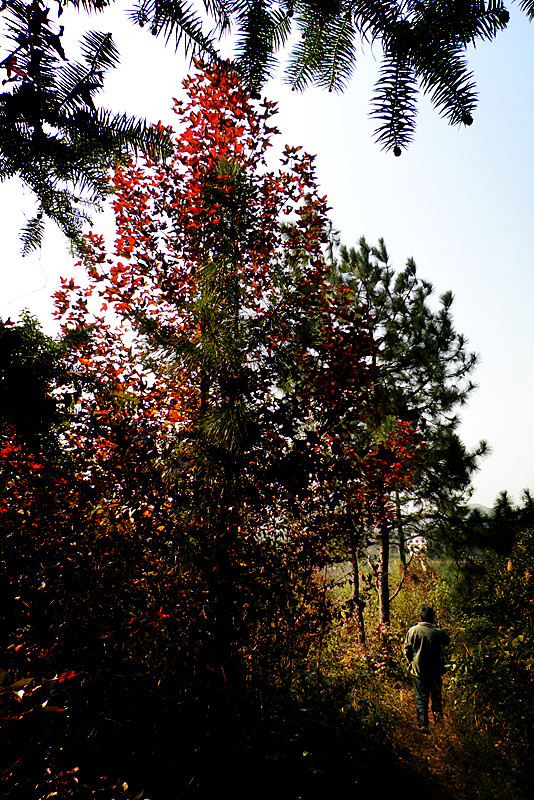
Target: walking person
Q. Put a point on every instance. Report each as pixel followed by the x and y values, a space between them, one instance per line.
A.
pixel 423 648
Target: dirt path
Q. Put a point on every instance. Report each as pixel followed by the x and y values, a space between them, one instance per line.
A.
pixel 429 754
pixel 458 766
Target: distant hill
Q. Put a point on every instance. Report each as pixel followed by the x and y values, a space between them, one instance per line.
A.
pixel 478 507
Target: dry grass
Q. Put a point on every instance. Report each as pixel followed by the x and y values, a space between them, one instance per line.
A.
pixel 461 763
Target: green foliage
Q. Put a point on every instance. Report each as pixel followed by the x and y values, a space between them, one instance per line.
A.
pixel 494 670
pixel 425 363
pixel 395 105
pixel 481 749
pixel 31 371
pixel 52 135
pixel 469 535
pixel 424 369
pixel 55 138
pixel 326 52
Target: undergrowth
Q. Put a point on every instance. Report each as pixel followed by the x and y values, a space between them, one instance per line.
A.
pixel 482 745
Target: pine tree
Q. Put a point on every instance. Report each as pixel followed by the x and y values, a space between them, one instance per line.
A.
pixel 423 47
pixel 424 377
pixel 55 138
pixel 52 135
pixel 236 365
pixel 31 372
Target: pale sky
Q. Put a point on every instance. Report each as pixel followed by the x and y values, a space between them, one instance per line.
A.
pixel 460 201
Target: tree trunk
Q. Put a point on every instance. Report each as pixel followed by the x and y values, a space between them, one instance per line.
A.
pixel 227 700
pixel 357 603
pixel 383 578
pixel 402 542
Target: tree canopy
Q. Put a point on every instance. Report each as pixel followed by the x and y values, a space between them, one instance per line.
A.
pixel 56 139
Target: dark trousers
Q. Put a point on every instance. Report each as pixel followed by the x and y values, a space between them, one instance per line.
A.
pixel 426 689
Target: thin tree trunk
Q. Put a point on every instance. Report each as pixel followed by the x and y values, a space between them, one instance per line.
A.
pixel 402 541
pixel 383 577
pixel 357 603
pixel 228 682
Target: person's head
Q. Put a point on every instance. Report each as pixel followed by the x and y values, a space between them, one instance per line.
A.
pixel 427 614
